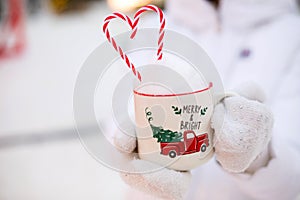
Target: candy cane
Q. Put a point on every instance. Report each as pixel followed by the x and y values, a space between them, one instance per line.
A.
pixel 162 25
pixel 113 42
pixel 133 24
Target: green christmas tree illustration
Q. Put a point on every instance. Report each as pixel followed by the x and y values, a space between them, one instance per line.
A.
pixel 161 134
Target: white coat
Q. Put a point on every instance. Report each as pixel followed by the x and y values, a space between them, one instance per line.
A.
pixel 260 42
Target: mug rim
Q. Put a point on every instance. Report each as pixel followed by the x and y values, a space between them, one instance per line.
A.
pixel 210 85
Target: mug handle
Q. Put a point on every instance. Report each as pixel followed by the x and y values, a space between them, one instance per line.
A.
pixel 220 97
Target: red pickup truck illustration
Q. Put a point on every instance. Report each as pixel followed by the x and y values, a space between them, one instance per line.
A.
pixel 191 144
pixel 174 143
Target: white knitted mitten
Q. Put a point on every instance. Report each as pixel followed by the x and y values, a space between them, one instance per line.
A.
pixel 243 128
pixel 164 183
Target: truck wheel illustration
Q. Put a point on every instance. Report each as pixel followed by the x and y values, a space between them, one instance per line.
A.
pixel 172 154
pixel 203 147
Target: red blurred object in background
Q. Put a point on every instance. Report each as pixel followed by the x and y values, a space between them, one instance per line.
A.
pixel 12 28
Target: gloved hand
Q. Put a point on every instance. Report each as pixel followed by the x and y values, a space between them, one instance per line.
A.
pixel 164 183
pixel 242 127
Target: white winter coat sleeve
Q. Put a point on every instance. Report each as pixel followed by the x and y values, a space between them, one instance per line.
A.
pixel 281 177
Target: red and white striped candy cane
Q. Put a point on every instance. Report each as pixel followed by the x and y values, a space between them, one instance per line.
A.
pixel 162 25
pixel 133 24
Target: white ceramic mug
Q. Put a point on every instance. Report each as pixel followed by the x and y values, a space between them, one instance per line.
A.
pixel 173 130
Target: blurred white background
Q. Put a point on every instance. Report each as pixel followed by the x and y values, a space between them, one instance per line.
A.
pixel 41 156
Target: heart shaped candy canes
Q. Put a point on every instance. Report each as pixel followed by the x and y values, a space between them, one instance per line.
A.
pixel 133 25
